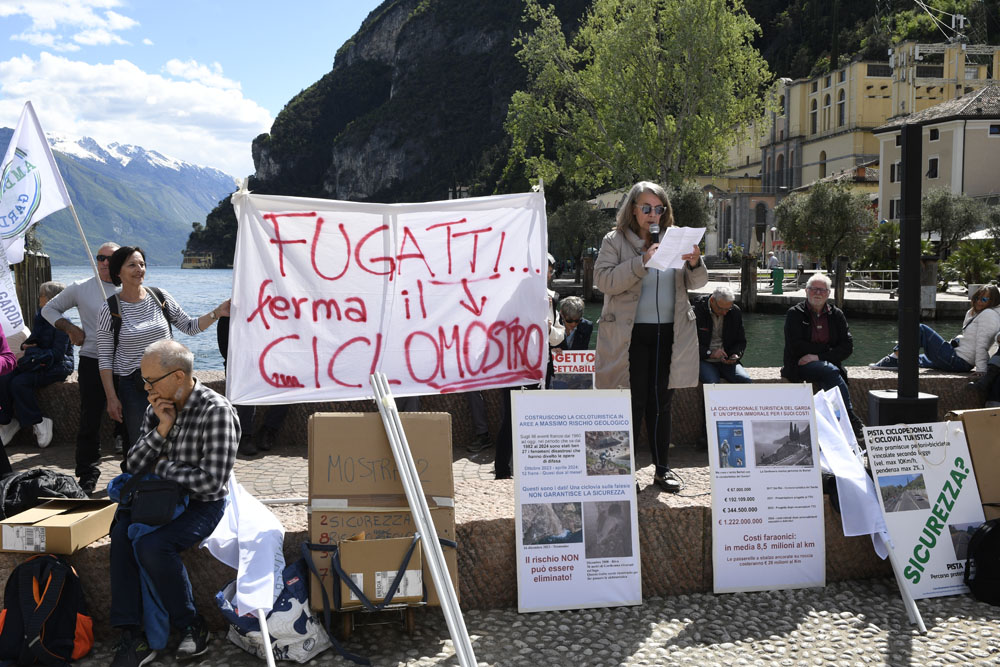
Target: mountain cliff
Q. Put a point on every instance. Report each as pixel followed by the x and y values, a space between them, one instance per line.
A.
pixel 127 194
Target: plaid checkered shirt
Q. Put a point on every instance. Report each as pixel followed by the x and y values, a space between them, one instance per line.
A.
pixel 200 448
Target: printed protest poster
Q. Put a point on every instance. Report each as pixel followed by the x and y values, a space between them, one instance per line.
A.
pixel 442 297
pixel 576 522
pixel 573 369
pixel 929 495
pixel 767 498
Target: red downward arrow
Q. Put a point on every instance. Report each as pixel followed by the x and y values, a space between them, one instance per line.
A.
pixel 476 310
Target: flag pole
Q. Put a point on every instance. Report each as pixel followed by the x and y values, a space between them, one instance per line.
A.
pixel 86 246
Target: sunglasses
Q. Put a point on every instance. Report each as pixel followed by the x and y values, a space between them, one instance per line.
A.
pixel 819 290
pixel 566 320
pixel 658 210
pixel 984 299
pixel 102 258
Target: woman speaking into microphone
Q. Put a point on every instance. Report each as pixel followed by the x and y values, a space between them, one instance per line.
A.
pixel 646 337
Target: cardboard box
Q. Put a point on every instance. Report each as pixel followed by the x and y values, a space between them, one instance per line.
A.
pixel 981 429
pixel 372 565
pixel 379 525
pixel 350 458
pixel 58 526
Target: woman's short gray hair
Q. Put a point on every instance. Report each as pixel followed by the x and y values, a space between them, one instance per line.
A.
pixel 50 289
pixel 820 277
pixel 571 307
pixel 725 294
pixel 171 354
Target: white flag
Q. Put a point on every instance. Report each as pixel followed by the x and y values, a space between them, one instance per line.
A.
pixel 30 189
pixel 30 185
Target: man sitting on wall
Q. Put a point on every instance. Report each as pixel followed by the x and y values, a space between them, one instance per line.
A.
pixel 189 434
pixel 817 341
pixel 721 338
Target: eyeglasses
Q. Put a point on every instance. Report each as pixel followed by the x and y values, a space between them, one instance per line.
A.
pixel 984 299
pixel 658 210
pixel 819 290
pixel 102 258
pixel 152 382
pixel 566 320
pixel 723 309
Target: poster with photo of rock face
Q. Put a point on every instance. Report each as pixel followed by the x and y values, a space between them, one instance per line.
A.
pixel 767 499
pixel 576 521
pixel 929 495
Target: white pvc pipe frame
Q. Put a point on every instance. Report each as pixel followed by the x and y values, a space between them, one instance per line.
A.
pixel 421 514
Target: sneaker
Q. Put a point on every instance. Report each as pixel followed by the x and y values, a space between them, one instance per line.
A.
pixel 8 431
pixel 668 481
pixel 132 652
pixel 195 640
pixel 246 446
pixel 887 362
pixel 119 444
pixel 43 432
pixel 266 440
pixel 481 442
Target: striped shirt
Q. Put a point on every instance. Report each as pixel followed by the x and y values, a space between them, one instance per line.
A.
pixel 142 325
pixel 200 448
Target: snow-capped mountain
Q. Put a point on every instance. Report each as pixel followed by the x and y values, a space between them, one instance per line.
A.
pixel 129 194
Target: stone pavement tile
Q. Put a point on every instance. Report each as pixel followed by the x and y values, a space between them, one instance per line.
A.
pixel 847 623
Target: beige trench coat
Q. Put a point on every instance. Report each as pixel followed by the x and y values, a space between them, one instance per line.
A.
pixel 618 273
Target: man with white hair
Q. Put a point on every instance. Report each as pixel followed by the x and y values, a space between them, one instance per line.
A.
pixel 817 341
pixel 721 338
pixel 189 435
pixel 87 296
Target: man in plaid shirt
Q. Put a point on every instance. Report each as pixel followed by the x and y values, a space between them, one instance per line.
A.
pixel 190 436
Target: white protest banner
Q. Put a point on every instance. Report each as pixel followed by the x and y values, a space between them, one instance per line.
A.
pixel 442 297
pixel 573 369
pixel 30 189
pixel 930 499
pixel 767 500
pixel 576 523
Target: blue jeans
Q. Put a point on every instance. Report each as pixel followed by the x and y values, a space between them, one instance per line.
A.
pixel 17 394
pixel 159 553
pixel 827 376
pixel 938 353
pixel 132 393
pixel 711 373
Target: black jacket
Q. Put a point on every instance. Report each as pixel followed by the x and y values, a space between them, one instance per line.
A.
pixel 581 339
pixel 734 338
pixel 798 343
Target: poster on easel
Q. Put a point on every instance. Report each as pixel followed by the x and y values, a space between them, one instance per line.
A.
pixel 576 523
pixel 573 369
pixel 767 498
pixel 928 493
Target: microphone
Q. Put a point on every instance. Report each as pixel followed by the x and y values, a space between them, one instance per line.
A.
pixel 654 232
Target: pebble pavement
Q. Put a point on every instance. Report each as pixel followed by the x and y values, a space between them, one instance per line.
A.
pixel 846 623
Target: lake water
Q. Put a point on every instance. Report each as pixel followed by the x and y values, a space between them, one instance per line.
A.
pixel 198 291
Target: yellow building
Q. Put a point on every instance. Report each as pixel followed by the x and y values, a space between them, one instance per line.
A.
pixel 824 125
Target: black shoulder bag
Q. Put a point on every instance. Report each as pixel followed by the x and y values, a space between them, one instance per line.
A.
pixel 152 501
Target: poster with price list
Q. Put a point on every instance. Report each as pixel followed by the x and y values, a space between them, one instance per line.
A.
pixel 767 498
pixel 576 522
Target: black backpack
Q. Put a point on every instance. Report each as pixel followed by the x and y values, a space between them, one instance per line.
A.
pixel 982 567
pixel 44 619
pixel 114 307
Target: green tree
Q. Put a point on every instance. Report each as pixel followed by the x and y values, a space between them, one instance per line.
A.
pixel 952 216
pixel 576 226
pixel 652 89
pixel 827 221
pixel 971 263
pixel 689 204
pixel 882 247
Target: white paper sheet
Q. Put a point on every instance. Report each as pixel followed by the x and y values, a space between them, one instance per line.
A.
pixel 674 242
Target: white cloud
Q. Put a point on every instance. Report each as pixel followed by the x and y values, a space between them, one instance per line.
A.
pixel 147 41
pixel 189 111
pixel 91 22
pixel 210 75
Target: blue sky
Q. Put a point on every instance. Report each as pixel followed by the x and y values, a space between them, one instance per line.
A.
pixel 195 80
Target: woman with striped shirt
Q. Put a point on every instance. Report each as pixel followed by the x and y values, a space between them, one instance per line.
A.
pixel 142 323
